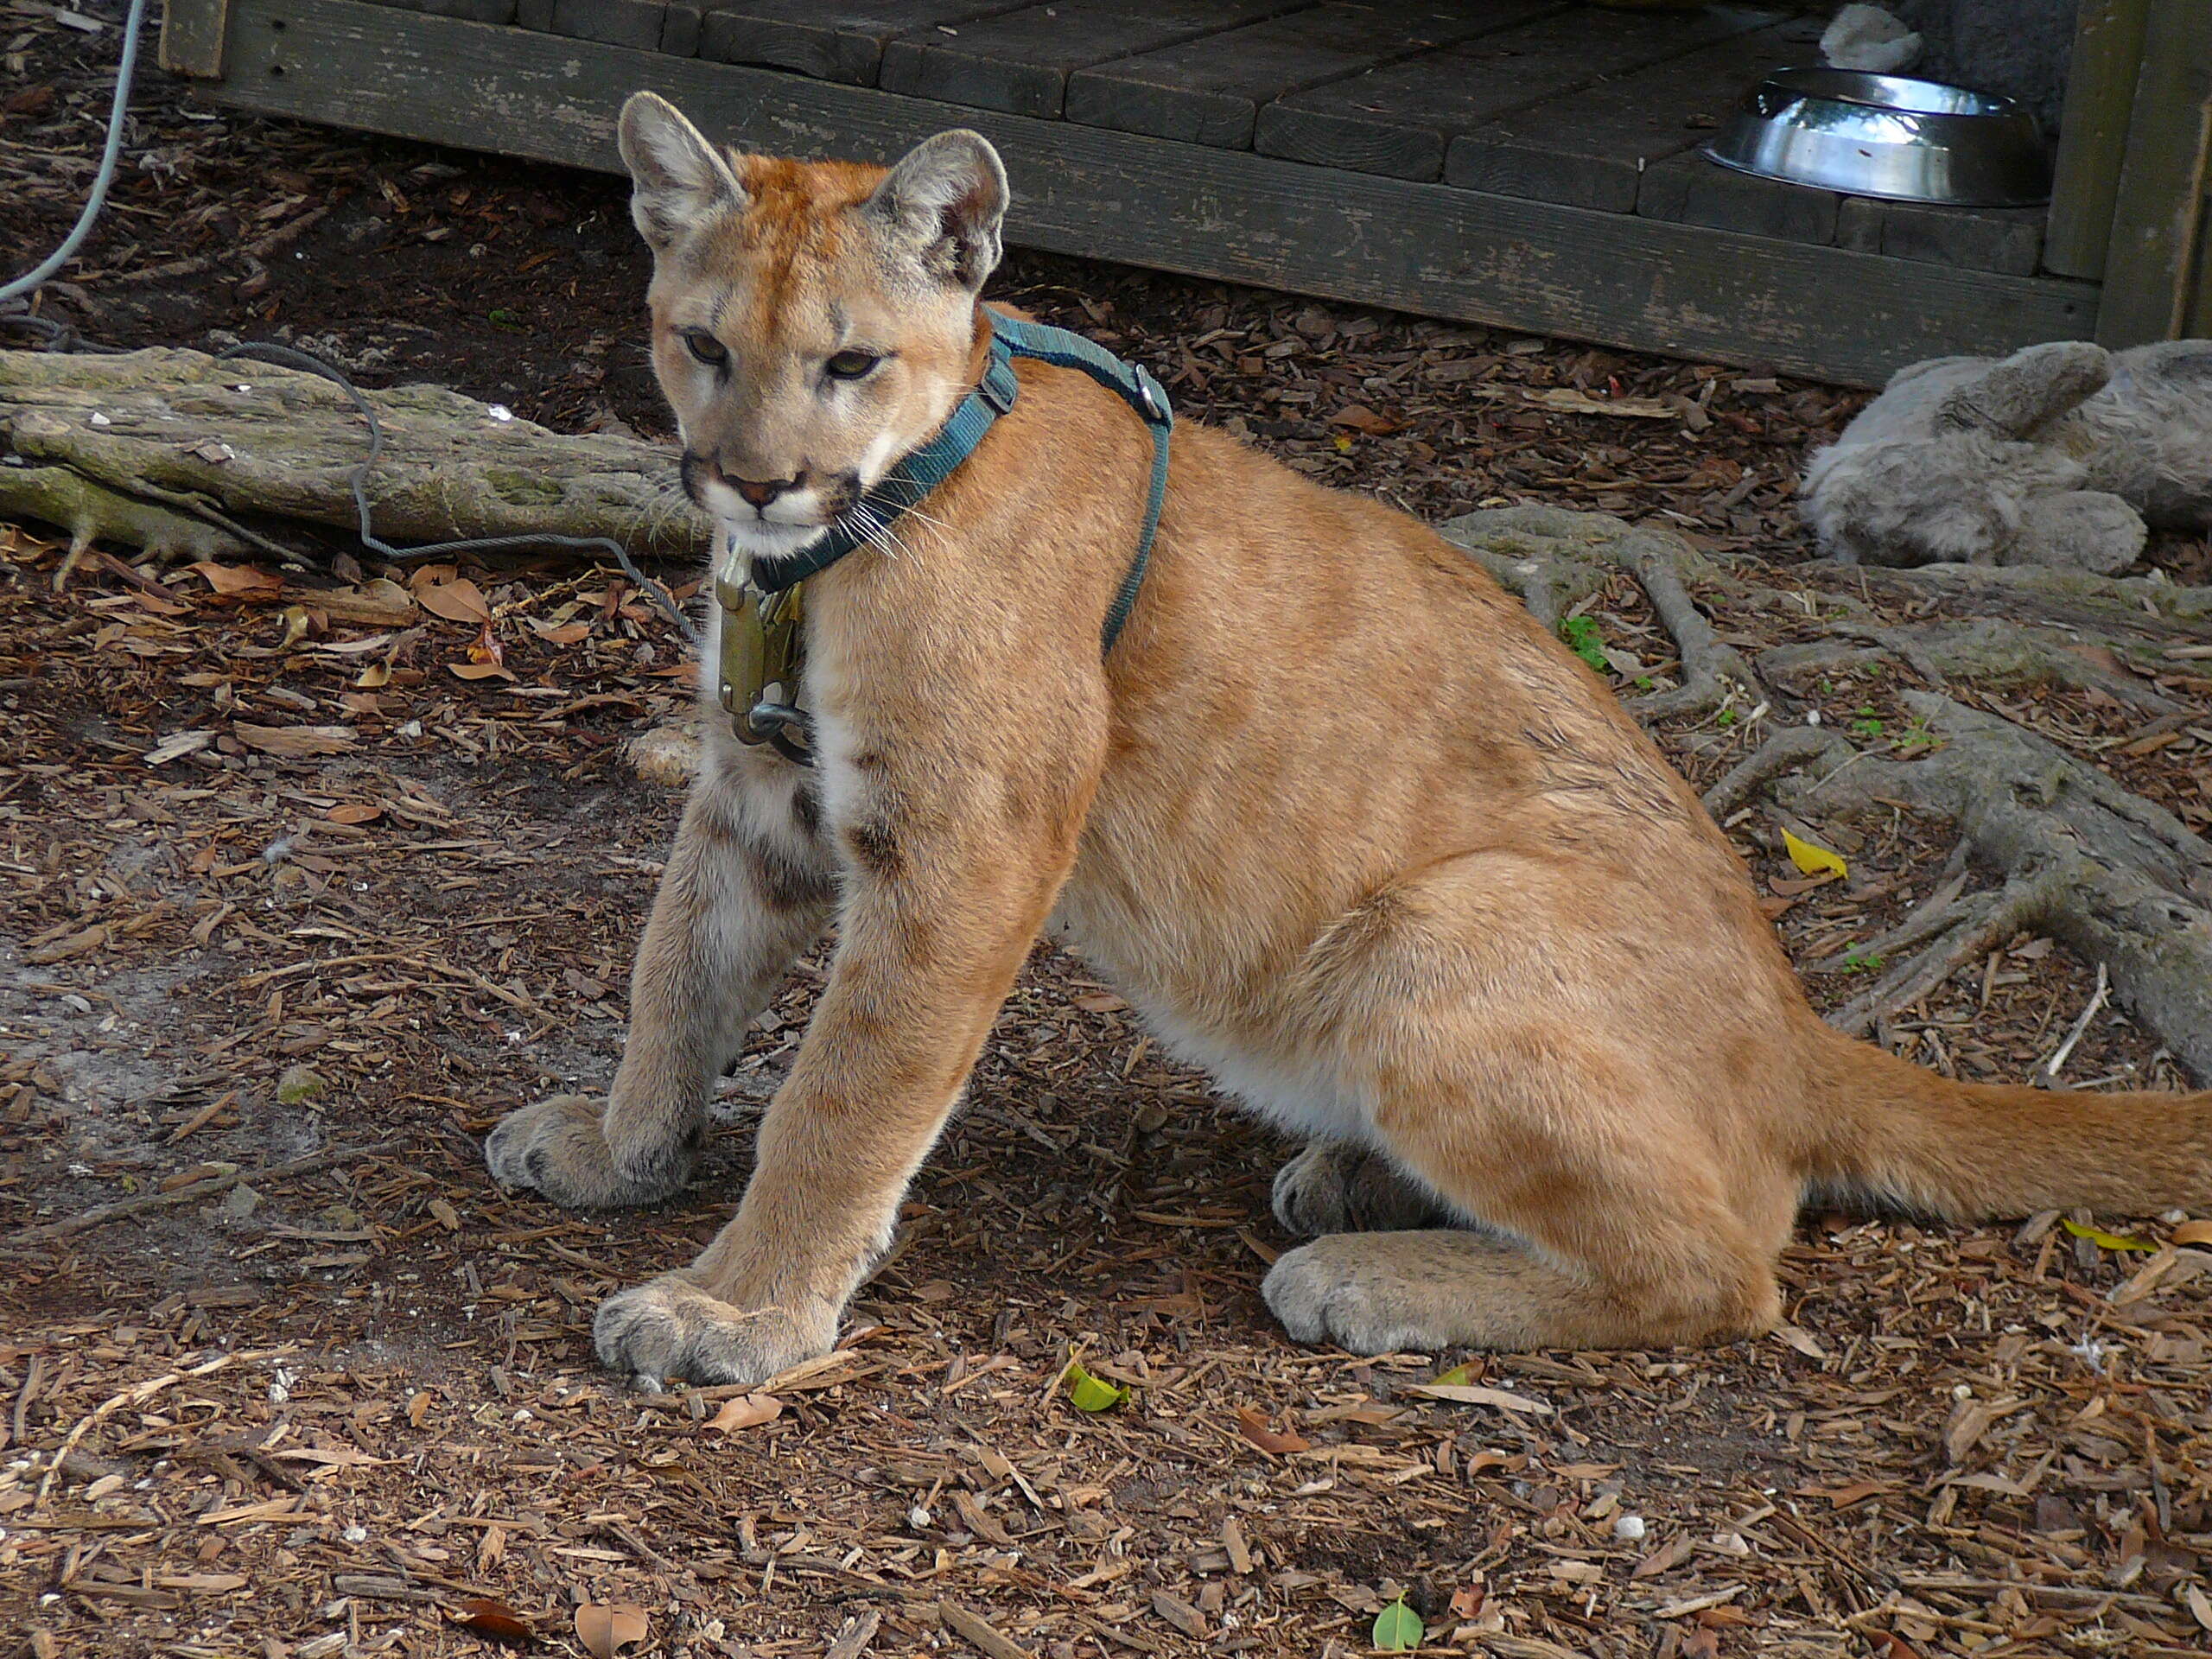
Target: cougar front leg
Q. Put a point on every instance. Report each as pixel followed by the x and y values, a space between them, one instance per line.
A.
pixel 938 911
pixel 747 889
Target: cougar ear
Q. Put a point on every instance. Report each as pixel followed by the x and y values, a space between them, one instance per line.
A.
pixel 944 201
pixel 679 178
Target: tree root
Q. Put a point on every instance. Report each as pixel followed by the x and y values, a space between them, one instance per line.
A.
pixel 1967 931
pixel 1552 558
pixel 2117 879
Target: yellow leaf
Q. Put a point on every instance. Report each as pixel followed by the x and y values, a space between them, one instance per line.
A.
pixel 1089 1393
pixel 1811 860
pixel 2104 1241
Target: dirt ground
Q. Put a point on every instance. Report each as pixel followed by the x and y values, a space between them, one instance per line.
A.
pixel 297 907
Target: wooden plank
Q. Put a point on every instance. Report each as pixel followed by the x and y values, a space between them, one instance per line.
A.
pixel 1398 120
pixel 835 40
pixel 1209 91
pixel 2093 133
pixel 2158 210
pixel 1589 147
pixel 1980 239
pixel 474 11
pixel 192 38
pixel 1020 61
pixel 1690 190
pixel 679 30
pixel 633 24
pixel 1224 214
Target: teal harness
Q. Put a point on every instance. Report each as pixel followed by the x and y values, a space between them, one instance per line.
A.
pixel 761 643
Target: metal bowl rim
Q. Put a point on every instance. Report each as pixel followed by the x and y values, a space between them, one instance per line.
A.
pixel 1734 166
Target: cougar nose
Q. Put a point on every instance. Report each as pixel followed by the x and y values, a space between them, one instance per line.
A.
pixel 760 494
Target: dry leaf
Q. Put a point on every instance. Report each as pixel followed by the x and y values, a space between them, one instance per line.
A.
pixel 76 944
pixel 374 678
pixel 1568 401
pixel 569 633
pixel 746 1411
pixel 605 1631
pixel 459 600
pixel 1503 1399
pixel 2102 1240
pixel 479 670
pixel 2194 1232
pixel 1361 418
pixel 240 578
pixel 294 740
pixel 1254 1427
pixel 495 1619
pixel 355 812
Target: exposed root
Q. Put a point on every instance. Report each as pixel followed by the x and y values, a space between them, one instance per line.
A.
pixel 2119 880
pixel 1552 558
pixel 1968 931
pixel 1786 751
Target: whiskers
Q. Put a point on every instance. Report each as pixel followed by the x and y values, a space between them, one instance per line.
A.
pixel 866 520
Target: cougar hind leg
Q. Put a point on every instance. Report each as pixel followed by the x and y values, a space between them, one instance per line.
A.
pixel 1626 1194
pixel 1333 1188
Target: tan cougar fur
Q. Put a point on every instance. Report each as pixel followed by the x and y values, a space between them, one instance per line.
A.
pixel 1350 828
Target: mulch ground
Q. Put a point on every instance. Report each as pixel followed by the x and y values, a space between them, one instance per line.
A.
pixel 297 906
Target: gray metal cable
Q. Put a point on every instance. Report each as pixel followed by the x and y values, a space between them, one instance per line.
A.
pixel 101 181
pixel 60 336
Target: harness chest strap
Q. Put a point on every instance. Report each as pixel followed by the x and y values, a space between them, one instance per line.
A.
pixel 761 640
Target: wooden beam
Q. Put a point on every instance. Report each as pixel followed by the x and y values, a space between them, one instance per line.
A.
pixel 192 38
pixel 2158 211
pixel 2093 134
pixel 1228 214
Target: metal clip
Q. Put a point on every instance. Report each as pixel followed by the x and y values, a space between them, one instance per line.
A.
pixel 756 679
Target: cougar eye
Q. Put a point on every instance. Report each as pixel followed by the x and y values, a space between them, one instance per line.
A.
pixel 851 365
pixel 704 346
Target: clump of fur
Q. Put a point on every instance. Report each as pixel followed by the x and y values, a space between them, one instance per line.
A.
pixel 2059 454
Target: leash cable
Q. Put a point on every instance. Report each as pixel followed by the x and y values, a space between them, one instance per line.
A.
pixel 15 312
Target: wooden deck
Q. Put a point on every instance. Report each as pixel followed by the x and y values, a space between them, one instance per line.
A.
pixel 1529 163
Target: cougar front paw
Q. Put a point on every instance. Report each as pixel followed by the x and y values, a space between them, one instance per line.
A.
pixel 670 1327
pixel 1335 1189
pixel 1335 1290
pixel 558 1147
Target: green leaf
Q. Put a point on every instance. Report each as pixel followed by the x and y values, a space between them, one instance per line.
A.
pixel 1089 1393
pixel 1584 639
pixel 2104 1241
pixel 1398 1629
pixel 1460 1377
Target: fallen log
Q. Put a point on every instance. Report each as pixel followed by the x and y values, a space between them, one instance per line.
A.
pixel 187 456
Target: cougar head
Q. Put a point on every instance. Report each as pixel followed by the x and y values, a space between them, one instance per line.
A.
pixel 813 323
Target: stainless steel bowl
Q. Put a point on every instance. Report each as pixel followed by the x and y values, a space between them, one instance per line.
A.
pixel 1886 136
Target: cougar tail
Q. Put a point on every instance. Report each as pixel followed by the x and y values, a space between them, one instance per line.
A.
pixel 1893 1134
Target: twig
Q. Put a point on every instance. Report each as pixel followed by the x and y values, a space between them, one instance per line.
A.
pixel 2097 998
pixel 260 248
pixel 137 1395
pixel 122 1209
